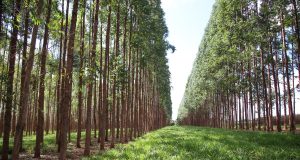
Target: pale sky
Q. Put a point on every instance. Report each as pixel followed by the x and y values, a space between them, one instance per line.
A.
pixel 186 20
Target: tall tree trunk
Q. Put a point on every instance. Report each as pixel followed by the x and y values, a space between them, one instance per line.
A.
pixel 91 80
pixel 270 118
pixel 105 85
pixel 48 119
pixel 100 96
pixel 297 33
pixel 10 82
pixel 124 104
pixel 257 95
pixel 59 81
pixel 81 72
pixel 95 107
pixel 68 84
pixel 112 145
pixel 265 102
pixel 286 63
pixel 274 69
pixel 25 88
pixel 40 125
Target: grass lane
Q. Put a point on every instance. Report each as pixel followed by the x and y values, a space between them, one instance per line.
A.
pixel 178 142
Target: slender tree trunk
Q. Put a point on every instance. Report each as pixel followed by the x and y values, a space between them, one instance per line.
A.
pixel 81 72
pixel 59 81
pixel 124 119
pixel 286 63
pixel 26 87
pixel 270 99
pixel 48 119
pixel 10 82
pixel 278 116
pixel 91 80
pixel 100 103
pixel 297 33
pixel 105 100
pixel 95 107
pixel 40 125
pixel 264 90
pixel 68 85
pixel 116 105
pixel 257 95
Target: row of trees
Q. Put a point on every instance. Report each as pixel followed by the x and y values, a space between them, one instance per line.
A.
pixel 246 74
pixel 82 65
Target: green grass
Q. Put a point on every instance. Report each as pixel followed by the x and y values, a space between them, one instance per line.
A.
pixel 49 145
pixel 186 143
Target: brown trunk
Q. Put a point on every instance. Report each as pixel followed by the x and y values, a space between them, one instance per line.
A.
pixel 91 80
pixel 105 86
pixel 48 121
pixel 66 100
pixel 125 103
pixel 63 51
pixel 11 71
pixel 274 70
pixel 286 65
pixel 80 81
pixel 264 90
pixel 297 32
pixel 40 125
pixel 59 81
pixel 100 106
pixel 270 99
pixel 257 94
pixel 251 96
pixel 26 87
pixel 116 105
pixel 131 80
pixel 95 108
pixel 136 97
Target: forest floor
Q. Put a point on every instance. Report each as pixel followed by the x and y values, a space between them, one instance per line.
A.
pixel 49 148
pixel 182 142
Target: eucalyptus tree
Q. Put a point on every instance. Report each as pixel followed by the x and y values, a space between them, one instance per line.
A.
pixel 237 74
pixel 116 58
pixel 40 125
pixel 66 99
pixel 11 69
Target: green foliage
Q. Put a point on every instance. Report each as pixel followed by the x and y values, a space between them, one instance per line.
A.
pixel 236 33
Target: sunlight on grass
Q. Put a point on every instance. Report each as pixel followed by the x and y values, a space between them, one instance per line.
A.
pixel 205 143
pixel 48 146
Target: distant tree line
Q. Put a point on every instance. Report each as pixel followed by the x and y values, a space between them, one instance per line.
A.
pixel 246 73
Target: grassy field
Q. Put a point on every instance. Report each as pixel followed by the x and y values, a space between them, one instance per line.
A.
pixel 49 145
pixel 176 142
pixel 29 143
pixel 185 143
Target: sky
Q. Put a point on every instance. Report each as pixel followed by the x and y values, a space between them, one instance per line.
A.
pixel 186 21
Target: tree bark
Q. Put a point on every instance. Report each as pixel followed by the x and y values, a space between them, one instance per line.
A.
pixel 81 72
pixel 10 82
pixel 25 88
pixel 66 100
pixel 105 85
pixel 40 125
pixel 91 80
pixel 286 63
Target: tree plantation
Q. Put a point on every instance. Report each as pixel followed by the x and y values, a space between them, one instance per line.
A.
pixel 246 74
pixel 92 66
pixel 90 79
